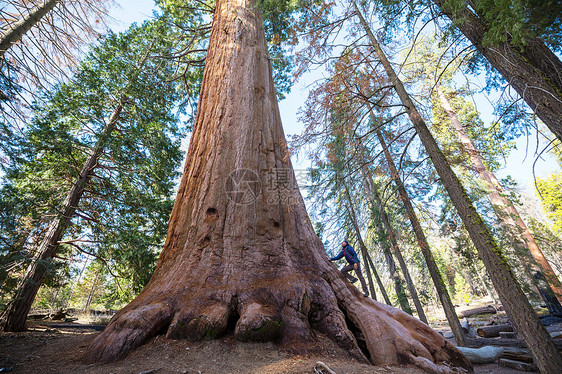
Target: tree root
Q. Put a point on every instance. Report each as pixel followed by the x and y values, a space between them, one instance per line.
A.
pixel 287 311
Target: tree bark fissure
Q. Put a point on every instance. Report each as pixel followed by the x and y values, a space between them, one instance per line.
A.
pixel 243 250
pixel 517 306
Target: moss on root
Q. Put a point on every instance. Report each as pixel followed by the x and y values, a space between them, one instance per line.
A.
pixel 269 330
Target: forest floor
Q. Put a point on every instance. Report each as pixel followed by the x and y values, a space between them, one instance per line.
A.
pixel 49 348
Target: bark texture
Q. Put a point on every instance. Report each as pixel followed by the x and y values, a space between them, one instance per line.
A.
pixel 241 253
pixel 16 31
pixel 517 306
pixel 533 71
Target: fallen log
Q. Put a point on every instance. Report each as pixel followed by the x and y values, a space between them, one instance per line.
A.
pixel 58 315
pixel 488 309
pixel 493 331
pixel 37 316
pixel 482 355
pixel 516 343
pixel 517 365
pixel 517 354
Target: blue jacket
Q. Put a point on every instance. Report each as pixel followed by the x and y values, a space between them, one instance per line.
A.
pixel 349 254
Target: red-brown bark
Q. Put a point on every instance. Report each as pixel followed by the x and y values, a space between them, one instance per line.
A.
pixel 250 259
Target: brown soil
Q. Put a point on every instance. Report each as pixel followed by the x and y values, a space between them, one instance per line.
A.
pixel 57 348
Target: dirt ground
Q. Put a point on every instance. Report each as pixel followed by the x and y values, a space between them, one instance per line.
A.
pixel 57 348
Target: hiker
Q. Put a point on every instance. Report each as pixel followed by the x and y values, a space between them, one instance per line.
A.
pixel 348 252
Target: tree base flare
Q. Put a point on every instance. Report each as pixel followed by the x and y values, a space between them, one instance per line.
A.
pixel 291 311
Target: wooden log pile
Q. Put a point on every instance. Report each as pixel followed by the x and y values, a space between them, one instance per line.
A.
pixel 496 332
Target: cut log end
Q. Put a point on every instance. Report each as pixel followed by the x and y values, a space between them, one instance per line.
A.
pixel 493 331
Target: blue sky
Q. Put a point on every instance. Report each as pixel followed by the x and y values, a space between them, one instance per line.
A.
pixel 519 164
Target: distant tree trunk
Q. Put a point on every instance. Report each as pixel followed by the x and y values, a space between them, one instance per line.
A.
pixel 17 30
pixel 76 282
pixel 470 282
pixel 15 315
pixel 506 212
pixel 484 280
pixel 544 352
pixel 547 294
pixel 91 293
pixel 379 281
pixel 532 70
pixel 372 289
pixel 241 251
pixel 377 203
pixel 398 286
pixel 436 276
pixel 367 257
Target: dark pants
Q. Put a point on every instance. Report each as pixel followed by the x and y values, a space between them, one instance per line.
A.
pixel 345 271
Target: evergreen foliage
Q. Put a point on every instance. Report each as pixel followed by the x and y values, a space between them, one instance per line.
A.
pixel 122 217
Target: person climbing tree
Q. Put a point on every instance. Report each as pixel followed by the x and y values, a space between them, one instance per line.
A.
pixel 348 252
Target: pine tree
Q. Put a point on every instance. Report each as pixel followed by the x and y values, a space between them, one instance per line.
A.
pixel 103 149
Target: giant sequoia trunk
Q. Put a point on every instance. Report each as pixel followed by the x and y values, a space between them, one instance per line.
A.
pixel 241 251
